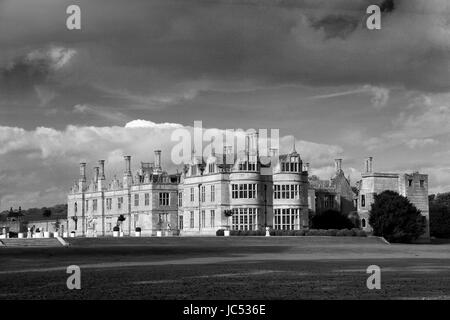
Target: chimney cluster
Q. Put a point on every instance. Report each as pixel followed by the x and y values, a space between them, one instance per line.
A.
pixel 99 172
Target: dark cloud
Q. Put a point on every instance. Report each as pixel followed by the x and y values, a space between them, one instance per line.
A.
pixel 336 25
pixel 23 74
pixel 37 67
pixel 154 52
pixel 387 6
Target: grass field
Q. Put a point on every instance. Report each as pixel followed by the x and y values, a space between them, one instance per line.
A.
pixel 227 268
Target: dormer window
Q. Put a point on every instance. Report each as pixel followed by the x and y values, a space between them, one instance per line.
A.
pixel 247 166
pixel 211 168
pixel 289 167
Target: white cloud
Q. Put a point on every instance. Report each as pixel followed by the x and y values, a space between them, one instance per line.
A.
pixel 80 108
pixel 100 112
pixel 425 122
pixel 420 143
pixel 57 57
pixel 379 95
pixel 149 124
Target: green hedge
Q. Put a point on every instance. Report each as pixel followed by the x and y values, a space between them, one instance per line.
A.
pixel 311 232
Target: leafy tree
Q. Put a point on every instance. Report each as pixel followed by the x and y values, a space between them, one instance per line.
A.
pixel 393 217
pixel 353 216
pixel 331 219
pixel 440 215
pixel 47 213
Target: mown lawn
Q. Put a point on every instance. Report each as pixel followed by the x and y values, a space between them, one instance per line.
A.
pixel 227 268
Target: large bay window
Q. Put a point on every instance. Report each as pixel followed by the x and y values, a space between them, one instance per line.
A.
pixel 243 191
pixel 286 191
pixel 245 219
pixel 286 219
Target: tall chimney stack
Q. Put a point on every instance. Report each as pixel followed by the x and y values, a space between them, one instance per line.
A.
pixel 101 164
pixel 158 159
pixel 82 179
pixel 82 171
pixel 247 144
pixel 127 165
pixel 338 165
pixel 369 165
pixel 101 177
pixel 127 177
pixel 96 172
pixel 256 143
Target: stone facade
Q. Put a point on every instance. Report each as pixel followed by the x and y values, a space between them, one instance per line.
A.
pixel 333 194
pixel 240 195
pixel 148 200
pixel 413 186
pixel 226 190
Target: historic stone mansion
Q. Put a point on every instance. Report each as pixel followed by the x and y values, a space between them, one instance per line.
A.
pixel 224 191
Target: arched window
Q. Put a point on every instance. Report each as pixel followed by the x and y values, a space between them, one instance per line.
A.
pixel 363 223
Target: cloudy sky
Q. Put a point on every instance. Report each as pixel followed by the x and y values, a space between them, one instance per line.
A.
pixel 308 67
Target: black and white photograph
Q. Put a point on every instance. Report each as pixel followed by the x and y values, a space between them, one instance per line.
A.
pixel 224 153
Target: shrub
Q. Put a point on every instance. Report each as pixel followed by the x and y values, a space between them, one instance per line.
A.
pixel 116 228
pixel 220 232
pixel 355 219
pixel 138 229
pixel 360 233
pixel 313 232
pixel 331 232
pixel 303 232
pixel 349 233
pixel 395 218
